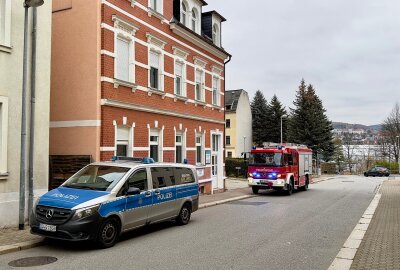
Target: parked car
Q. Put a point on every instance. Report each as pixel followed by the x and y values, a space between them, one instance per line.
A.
pixel 377 171
pixel 105 199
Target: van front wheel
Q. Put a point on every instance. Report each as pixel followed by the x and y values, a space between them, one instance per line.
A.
pixel 184 215
pixel 108 233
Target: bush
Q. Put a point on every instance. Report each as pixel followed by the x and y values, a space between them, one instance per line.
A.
pixel 232 163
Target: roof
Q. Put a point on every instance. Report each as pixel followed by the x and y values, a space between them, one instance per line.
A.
pixel 232 99
pixel 216 13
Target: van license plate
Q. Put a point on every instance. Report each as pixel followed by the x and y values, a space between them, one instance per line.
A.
pixel 46 227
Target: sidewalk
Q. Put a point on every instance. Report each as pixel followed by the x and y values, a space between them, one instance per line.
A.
pixel 380 247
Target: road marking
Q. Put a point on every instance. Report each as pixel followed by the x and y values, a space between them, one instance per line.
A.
pixel 346 255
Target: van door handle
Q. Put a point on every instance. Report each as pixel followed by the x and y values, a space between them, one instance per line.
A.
pixel 147 194
pixel 157 192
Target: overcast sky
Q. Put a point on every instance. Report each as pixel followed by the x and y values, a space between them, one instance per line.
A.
pixel 348 49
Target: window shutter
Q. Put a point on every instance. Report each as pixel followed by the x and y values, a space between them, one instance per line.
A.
pixel 198 76
pixel 154 60
pixel 122 133
pixel 123 59
pixel 179 69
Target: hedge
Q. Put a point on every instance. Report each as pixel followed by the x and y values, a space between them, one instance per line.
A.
pixel 232 163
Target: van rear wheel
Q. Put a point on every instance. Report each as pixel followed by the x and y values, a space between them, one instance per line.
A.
pixel 108 233
pixel 184 215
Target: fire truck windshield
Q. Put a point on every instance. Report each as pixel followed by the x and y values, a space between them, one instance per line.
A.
pixel 265 159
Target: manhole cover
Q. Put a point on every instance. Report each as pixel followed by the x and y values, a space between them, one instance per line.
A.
pixel 248 203
pixel 32 261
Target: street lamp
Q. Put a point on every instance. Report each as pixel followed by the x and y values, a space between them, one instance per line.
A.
pixel 244 144
pixel 22 175
pixel 283 116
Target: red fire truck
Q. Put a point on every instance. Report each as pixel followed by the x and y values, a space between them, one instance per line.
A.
pixel 285 167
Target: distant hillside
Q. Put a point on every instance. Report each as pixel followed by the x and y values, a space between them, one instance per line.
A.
pixel 340 125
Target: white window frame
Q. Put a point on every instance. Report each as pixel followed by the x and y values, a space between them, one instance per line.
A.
pixel 3 135
pixel 184 14
pixel 216 83
pixel 216 34
pixel 183 78
pixel 201 144
pixel 5 24
pixel 182 144
pixel 160 69
pixel 202 83
pixel 130 40
pixel 159 133
pixel 194 20
pixel 159 6
pixel 128 143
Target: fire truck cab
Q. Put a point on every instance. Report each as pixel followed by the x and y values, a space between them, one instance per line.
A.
pixel 284 167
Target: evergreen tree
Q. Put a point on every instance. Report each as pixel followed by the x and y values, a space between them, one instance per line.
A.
pixel 309 124
pixel 275 112
pixel 259 110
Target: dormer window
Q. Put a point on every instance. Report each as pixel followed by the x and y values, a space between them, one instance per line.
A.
pixel 184 13
pixel 156 5
pixel 215 34
pixel 194 20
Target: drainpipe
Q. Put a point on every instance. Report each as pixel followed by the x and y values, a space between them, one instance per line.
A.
pixel 223 157
pixel 32 116
pixel 22 168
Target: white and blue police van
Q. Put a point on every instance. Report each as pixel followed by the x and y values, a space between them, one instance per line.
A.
pixel 105 199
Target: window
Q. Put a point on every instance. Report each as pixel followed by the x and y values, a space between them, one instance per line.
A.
pixel 229 154
pixel 179 78
pixel 183 176
pixel 183 13
pixel 138 180
pixel 215 34
pixel 216 98
pixel 215 142
pixel 5 23
pixel 155 147
pixel 156 5
pixel 228 123
pixel 228 140
pixel 155 70
pixel 162 177
pixel 3 135
pixel 123 141
pixel 199 149
pixel 178 148
pixel 199 85
pixel 194 20
pixel 123 60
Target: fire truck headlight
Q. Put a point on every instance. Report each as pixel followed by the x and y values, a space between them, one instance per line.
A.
pixel 250 174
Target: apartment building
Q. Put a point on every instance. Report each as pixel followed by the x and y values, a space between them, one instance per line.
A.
pixel 238 122
pixel 11 70
pixel 140 78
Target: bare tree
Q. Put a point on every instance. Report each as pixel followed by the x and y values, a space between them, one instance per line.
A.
pixel 391 129
pixel 348 144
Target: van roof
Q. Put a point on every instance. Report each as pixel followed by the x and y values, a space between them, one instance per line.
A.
pixel 132 164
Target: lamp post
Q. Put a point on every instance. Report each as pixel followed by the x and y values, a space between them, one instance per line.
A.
pixel 283 116
pixel 244 144
pixel 398 151
pixel 22 169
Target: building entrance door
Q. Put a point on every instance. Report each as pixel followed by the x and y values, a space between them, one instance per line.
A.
pixel 216 139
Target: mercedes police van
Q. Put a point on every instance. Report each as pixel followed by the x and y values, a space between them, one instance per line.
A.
pixel 105 199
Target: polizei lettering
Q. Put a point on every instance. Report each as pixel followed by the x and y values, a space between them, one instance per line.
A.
pixel 165 196
pixel 65 196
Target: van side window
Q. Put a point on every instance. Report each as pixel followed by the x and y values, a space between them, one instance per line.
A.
pixel 162 177
pixel 184 176
pixel 138 180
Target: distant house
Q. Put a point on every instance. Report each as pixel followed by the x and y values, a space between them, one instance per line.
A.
pixel 238 135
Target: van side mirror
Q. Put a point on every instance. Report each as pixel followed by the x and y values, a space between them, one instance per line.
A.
pixel 133 191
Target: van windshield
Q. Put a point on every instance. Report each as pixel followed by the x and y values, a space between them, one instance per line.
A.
pixel 97 177
pixel 269 159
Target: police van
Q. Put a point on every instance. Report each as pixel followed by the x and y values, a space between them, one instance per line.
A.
pixel 105 199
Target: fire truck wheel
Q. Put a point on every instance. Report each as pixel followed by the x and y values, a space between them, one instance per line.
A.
pixel 255 190
pixel 305 187
pixel 289 190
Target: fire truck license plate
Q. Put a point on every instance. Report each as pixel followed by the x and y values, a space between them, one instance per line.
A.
pixel 46 227
pixel 263 182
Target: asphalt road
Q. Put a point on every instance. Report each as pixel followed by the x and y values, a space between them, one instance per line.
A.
pixel 270 231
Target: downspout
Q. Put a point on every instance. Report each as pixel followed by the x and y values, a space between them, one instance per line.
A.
pixel 229 59
pixel 32 115
pixel 22 166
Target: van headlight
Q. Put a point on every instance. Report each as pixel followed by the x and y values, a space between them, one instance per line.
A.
pixel 85 212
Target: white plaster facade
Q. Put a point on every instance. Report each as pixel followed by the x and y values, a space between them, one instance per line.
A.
pixel 11 60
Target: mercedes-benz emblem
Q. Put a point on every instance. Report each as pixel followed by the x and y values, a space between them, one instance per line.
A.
pixel 49 213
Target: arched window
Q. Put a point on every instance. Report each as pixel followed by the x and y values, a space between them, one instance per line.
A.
pixel 194 19
pixel 183 13
pixel 215 34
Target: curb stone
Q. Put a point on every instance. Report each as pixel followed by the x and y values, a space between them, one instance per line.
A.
pixel 344 259
pixel 205 205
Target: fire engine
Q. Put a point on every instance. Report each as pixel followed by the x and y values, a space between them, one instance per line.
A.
pixel 284 167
